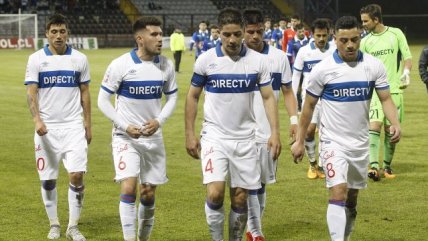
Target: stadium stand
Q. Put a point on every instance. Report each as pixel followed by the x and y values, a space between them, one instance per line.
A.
pixel 185 14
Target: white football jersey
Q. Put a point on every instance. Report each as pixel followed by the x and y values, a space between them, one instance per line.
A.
pixel 138 86
pixel 346 90
pixel 279 69
pixel 58 78
pixel 307 57
pixel 229 91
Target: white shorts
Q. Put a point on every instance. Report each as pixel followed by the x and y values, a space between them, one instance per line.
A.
pixel 345 167
pixel 233 159
pixel 139 158
pixel 68 145
pixel 267 163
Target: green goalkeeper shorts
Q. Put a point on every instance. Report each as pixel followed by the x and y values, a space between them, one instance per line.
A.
pixel 376 111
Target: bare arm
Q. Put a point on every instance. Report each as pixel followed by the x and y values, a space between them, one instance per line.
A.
pixel 391 114
pixel 271 108
pixel 85 100
pixel 298 148
pixel 33 105
pixel 291 106
pixel 191 109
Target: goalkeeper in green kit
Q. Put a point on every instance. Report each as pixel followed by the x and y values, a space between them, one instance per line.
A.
pixel 389 45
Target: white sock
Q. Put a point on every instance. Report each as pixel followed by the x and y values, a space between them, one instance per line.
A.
pixel 310 149
pixel 215 219
pixel 237 220
pixel 261 195
pixel 128 216
pixel 75 204
pixel 254 219
pixel 351 215
pixel 50 201
pixel 336 219
pixel 146 219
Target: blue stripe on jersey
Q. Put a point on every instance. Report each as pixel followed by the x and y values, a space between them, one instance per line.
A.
pixel 29 82
pixel 59 78
pixel 141 89
pixel 198 80
pixel 171 92
pixel 276 81
pixel 348 91
pixel 107 89
pixel 309 65
pixel 231 83
pixel 300 70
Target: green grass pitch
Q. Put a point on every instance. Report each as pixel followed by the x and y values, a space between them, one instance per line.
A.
pixel 296 206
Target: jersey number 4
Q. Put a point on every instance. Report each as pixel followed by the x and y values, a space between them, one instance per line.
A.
pixel 209 166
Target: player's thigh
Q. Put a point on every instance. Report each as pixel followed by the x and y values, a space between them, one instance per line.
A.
pixel 267 163
pixel 75 150
pixel 376 111
pixel 126 159
pixel 48 154
pixel 357 170
pixel 153 163
pixel 213 161
pixel 398 102
pixel 335 166
pixel 243 166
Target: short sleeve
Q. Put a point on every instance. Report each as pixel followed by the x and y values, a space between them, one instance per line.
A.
pixel 298 62
pixel 199 77
pixel 32 71
pixel 85 76
pixel 316 82
pixel 264 74
pixel 112 78
pixel 170 86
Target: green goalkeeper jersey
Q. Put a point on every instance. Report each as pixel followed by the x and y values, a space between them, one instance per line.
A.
pixel 391 48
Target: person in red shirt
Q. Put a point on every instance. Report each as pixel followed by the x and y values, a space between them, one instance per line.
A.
pixel 290 32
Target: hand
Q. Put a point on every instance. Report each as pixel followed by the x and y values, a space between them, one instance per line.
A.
pixel 297 151
pixel 193 146
pixel 396 133
pixel 405 79
pixel 134 131
pixel 150 127
pixel 274 146
pixel 41 129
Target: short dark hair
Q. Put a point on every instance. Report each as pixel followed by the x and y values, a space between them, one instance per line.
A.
pixel 252 16
pixel 56 19
pixel 230 16
pixel 320 24
pixel 213 26
pixel 145 21
pixel 299 26
pixel 373 10
pixel 347 22
pixel 296 16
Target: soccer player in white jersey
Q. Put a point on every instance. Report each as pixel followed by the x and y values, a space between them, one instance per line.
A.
pixel 345 82
pixel 139 79
pixel 229 74
pixel 57 79
pixel 279 69
pixel 307 57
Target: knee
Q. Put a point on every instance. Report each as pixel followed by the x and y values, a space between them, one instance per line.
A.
pixel 49 185
pixel 147 193
pixel 239 199
pixel 215 196
pixel 76 178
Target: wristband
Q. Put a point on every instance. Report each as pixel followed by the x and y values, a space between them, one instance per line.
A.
pixel 406 71
pixel 293 120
